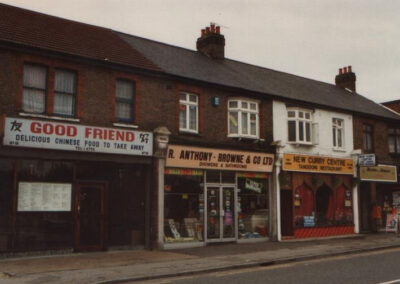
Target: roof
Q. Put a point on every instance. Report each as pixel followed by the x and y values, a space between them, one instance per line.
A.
pixel 194 65
pixel 393 105
pixel 60 35
pixel 51 33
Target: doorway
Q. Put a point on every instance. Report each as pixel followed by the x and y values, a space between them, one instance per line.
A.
pixel 287 213
pixel 221 213
pixel 365 206
pixel 90 216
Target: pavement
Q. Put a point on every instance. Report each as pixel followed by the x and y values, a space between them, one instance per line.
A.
pixel 138 265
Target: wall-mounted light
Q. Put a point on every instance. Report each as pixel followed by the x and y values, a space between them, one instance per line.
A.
pixel 215 101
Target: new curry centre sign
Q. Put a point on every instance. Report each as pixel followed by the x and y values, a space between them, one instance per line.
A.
pixel 318 164
pixel 206 158
pixel 72 137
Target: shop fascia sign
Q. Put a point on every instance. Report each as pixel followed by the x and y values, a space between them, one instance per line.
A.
pixel 218 159
pixel 20 132
pixel 317 164
pixel 366 160
pixel 384 173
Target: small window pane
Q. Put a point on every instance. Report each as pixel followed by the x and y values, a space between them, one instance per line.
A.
pixel 233 122
pixel 301 114
pixel 291 114
pixel 253 106
pixel 334 136
pixel 35 76
pixel 301 130
pixel 65 82
pixel 64 104
pixel 392 144
pixel 308 132
pixel 308 115
pixel 244 105
pixel 33 101
pixel 339 138
pixel 253 124
pixel 398 144
pixel 182 116
pixel 292 131
pixel 124 90
pixel 182 97
pixel 233 104
pixel 245 129
pixel 123 111
pixel 193 98
pixel 193 117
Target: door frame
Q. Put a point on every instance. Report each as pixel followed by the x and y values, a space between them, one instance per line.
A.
pixel 103 187
pixel 220 187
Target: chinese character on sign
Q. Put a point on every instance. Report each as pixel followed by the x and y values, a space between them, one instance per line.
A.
pixel 16 126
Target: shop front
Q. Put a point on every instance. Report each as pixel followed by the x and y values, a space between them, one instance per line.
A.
pixel 213 195
pixel 379 198
pixel 316 196
pixel 72 187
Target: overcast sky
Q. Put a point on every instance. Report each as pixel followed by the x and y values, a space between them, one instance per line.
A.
pixel 310 38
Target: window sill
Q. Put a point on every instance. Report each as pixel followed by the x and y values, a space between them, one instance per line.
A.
pixel 239 137
pixel 60 118
pixel 341 150
pixel 301 144
pixel 189 133
pixel 125 125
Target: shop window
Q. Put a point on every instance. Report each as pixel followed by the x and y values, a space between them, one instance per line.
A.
pixel 343 209
pixel 253 209
pixel 124 100
pixel 299 126
pixel 394 140
pixel 188 112
pixel 243 118
pixel 46 171
pixel 184 205
pixel 64 92
pixel 34 89
pixel 337 133
pixel 368 136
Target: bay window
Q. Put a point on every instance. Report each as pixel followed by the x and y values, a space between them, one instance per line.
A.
pixel 299 126
pixel 243 118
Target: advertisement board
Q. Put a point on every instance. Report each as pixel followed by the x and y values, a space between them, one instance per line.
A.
pixel 20 132
pixel 383 173
pixel 217 159
pixel 318 164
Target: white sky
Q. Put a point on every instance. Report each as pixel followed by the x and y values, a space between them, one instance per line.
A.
pixel 310 38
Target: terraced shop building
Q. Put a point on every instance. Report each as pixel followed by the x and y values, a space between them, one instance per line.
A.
pixel 212 173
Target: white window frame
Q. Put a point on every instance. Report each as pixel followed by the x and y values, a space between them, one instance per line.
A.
pixel 187 103
pixel 300 116
pixel 336 127
pixel 240 109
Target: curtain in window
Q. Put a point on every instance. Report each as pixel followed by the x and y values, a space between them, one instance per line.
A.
pixel 193 117
pixel 64 92
pixel 124 100
pixel 34 92
pixel 124 111
pixel 124 90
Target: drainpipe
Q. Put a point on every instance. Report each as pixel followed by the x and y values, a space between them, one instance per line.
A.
pixel 354 155
pixel 161 140
pixel 277 234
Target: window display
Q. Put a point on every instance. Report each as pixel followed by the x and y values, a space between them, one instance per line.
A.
pixel 184 205
pixel 252 205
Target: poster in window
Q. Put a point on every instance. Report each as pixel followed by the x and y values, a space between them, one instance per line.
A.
pixel 36 196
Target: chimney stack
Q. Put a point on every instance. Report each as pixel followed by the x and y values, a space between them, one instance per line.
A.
pixel 211 42
pixel 346 79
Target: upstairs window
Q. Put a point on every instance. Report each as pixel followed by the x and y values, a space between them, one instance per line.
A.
pixel 64 93
pixel 188 112
pixel 299 126
pixel 394 140
pixel 34 89
pixel 337 132
pixel 367 138
pixel 124 100
pixel 243 118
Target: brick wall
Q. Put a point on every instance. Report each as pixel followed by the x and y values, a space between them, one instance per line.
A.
pixel 393 105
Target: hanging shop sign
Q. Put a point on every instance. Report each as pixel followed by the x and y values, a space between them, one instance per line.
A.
pixel 317 164
pixel 366 160
pixel 72 137
pixel 383 173
pixel 205 158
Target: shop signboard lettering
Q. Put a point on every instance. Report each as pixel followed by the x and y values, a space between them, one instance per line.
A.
pixel 384 173
pixel 366 160
pixel 73 137
pixel 205 158
pixel 309 221
pixel 318 164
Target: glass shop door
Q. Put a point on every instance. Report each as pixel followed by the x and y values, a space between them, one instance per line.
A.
pixel 220 213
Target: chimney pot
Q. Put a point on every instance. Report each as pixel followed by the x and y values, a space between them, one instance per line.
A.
pixel 212 28
pixel 203 32
pixel 340 71
pixel 349 68
pixel 207 30
pixel 346 79
pixel 218 29
pixel 345 69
